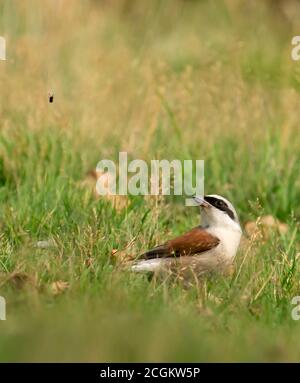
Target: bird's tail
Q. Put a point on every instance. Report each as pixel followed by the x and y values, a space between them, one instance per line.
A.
pixel 150 265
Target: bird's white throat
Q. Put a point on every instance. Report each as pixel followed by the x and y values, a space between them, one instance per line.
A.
pixel 229 236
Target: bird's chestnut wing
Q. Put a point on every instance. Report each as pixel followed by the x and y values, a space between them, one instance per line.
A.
pixel 195 241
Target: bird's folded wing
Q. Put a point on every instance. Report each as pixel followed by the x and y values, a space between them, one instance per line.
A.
pixel 195 241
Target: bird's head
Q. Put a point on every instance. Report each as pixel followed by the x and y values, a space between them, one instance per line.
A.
pixel 217 211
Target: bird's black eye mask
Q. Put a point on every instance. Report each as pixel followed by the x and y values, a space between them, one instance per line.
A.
pixel 219 204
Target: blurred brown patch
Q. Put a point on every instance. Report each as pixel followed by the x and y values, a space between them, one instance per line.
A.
pixel 92 177
pixel 58 287
pixel 122 257
pixel 18 280
pixel 264 226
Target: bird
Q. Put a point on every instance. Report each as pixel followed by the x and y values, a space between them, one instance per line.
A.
pixel 208 248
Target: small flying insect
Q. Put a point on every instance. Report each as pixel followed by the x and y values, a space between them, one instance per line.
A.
pixel 51 97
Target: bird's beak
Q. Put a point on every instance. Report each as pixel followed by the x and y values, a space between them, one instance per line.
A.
pixel 201 201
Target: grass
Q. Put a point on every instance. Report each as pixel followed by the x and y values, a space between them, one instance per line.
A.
pixel 173 79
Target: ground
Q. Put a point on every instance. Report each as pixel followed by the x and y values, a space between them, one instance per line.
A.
pixel 174 79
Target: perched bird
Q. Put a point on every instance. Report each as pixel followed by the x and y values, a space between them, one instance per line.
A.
pixel 209 247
